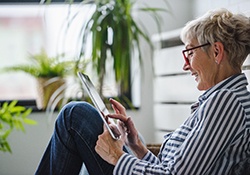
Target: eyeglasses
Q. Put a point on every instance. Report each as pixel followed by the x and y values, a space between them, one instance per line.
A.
pixel 187 53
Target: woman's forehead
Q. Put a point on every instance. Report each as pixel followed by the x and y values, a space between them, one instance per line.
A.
pixel 190 43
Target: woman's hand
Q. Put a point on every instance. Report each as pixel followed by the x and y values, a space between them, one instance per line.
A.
pixel 128 131
pixel 108 148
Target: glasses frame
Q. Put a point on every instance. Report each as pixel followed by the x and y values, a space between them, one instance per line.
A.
pixel 186 50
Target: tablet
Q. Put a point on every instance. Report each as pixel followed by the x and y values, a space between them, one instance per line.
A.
pixel 97 101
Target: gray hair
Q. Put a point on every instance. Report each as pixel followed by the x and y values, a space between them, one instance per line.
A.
pixel 232 30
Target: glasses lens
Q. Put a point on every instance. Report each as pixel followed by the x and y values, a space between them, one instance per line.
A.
pixel 185 55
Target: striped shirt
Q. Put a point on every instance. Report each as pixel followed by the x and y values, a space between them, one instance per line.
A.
pixel 213 140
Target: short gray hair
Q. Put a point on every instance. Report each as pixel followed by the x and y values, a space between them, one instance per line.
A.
pixel 232 30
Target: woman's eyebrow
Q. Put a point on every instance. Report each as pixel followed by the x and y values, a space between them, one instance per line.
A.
pixel 189 46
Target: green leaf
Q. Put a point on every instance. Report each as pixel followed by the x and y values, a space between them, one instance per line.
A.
pixel 12 117
pixel 5 134
pixel 26 113
pixel 17 109
pixel 4 146
pixel 29 121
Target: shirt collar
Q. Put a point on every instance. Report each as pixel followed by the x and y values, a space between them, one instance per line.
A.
pixel 232 82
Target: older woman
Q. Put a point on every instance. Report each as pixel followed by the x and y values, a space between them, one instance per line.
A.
pixel 215 138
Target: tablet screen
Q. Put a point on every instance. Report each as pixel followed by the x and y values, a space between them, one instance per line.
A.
pixel 97 100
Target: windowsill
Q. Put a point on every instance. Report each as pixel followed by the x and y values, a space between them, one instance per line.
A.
pixel 31 103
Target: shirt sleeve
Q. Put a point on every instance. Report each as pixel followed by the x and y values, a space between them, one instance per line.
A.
pixel 218 121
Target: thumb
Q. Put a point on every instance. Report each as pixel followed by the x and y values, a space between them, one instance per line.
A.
pixel 104 127
pixel 130 126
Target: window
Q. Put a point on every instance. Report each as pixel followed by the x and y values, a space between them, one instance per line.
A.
pixel 21 32
pixel 25 29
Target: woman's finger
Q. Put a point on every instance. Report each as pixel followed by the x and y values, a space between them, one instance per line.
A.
pixel 130 127
pixel 121 117
pixel 118 107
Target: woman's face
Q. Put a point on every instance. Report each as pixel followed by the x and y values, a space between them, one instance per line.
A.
pixel 201 65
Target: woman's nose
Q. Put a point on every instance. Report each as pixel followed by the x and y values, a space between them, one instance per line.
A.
pixel 186 66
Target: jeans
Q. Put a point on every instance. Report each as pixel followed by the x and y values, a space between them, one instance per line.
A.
pixel 73 143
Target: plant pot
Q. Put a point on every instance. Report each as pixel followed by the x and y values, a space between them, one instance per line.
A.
pixel 49 89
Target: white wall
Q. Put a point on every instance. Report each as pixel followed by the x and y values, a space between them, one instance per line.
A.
pixel 28 148
pixel 201 6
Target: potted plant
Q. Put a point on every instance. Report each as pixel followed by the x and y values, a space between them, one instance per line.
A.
pixel 114 38
pixel 12 117
pixel 49 73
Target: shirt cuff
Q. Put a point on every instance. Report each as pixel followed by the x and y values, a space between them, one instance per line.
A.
pixel 125 164
pixel 150 157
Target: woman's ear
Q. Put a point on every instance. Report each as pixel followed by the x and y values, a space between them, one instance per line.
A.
pixel 218 52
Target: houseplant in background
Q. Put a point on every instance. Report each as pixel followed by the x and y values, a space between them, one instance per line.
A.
pixel 12 117
pixel 49 73
pixel 114 37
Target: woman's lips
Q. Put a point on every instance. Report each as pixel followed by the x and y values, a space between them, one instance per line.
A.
pixel 195 76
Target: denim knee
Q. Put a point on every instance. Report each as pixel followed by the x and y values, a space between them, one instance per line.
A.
pixel 75 110
pixel 78 107
pixel 77 104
